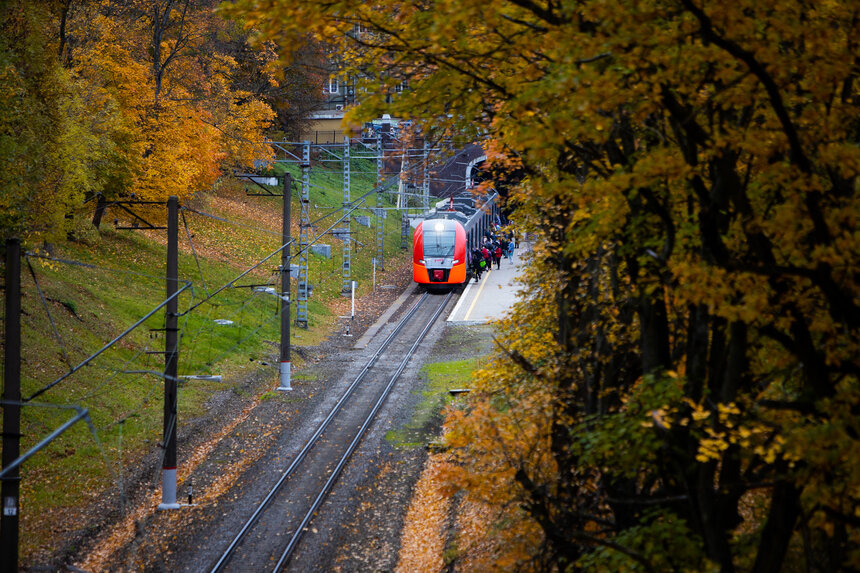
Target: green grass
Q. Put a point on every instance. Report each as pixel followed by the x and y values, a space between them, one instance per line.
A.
pixel 91 306
pixel 440 378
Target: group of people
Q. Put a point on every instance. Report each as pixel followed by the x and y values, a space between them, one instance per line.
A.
pixel 492 249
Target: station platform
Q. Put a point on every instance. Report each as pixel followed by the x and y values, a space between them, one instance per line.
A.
pixel 490 298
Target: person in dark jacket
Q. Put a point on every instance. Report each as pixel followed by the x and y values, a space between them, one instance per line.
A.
pixel 497 254
pixel 503 243
pixel 478 264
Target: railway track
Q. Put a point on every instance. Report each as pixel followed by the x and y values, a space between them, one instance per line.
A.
pixel 269 537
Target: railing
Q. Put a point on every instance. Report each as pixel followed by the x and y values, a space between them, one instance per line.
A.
pixel 327 136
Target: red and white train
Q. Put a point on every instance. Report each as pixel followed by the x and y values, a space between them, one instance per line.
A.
pixel 442 244
pixel 439 253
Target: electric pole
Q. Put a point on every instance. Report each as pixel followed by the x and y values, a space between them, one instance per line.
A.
pixel 285 286
pixel 11 410
pixel 171 356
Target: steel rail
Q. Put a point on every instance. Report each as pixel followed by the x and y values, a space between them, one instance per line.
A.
pixel 225 557
pixel 294 540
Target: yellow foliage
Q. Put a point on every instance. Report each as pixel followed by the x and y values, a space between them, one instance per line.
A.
pixel 689 171
pixel 120 118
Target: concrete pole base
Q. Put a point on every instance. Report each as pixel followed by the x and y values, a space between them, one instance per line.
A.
pixel 285 377
pixel 168 490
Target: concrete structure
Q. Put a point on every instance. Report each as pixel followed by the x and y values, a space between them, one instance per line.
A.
pixel 325 127
pixel 320 249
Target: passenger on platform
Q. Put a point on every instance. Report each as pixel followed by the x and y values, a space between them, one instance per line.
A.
pixel 506 248
pixel 497 254
pixel 510 251
pixel 488 258
pixel 478 263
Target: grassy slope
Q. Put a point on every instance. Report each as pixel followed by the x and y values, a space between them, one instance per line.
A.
pixel 461 352
pixel 90 306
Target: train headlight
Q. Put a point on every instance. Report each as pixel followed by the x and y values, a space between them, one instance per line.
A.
pixel 440 226
pixel 421 262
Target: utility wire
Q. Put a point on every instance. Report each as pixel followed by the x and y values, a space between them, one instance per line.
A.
pixel 48 312
pixel 245 272
pixel 194 251
pixel 354 205
pixel 115 372
pixel 240 342
pixel 272 254
pixel 93 356
pixel 223 220
pixel 195 336
pixel 94 267
pixel 208 326
pixel 82 414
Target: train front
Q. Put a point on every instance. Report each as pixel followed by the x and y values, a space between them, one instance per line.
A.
pixel 439 253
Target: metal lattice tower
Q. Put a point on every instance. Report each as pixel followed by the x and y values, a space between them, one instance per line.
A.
pixel 404 230
pixel 347 237
pixel 425 182
pixel 403 197
pixel 304 229
pixel 380 211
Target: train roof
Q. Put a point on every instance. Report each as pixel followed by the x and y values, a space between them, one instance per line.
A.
pixel 462 207
pixel 446 222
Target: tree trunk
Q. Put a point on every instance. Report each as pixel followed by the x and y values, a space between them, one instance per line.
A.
pixel 784 509
pixel 655 332
pixel 101 204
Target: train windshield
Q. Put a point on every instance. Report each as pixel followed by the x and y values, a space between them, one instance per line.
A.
pixel 439 243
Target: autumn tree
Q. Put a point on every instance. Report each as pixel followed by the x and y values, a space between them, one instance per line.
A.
pixel 686 394
pixel 48 147
pixel 137 99
pixel 156 59
pixel 293 90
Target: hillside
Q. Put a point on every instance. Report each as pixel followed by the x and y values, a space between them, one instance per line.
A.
pixel 81 295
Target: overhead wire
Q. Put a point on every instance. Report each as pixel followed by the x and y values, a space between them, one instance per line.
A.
pixel 116 339
pixel 188 285
pixel 241 275
pixel 242 340
pixel 82 414
pixel 194 251
pixel 48 312
pixel 223 220
pixel 114 373
pixel 353 206
pixel 209 325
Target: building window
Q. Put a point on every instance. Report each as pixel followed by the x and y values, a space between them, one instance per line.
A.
pixel 332 87
pixel 400 87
